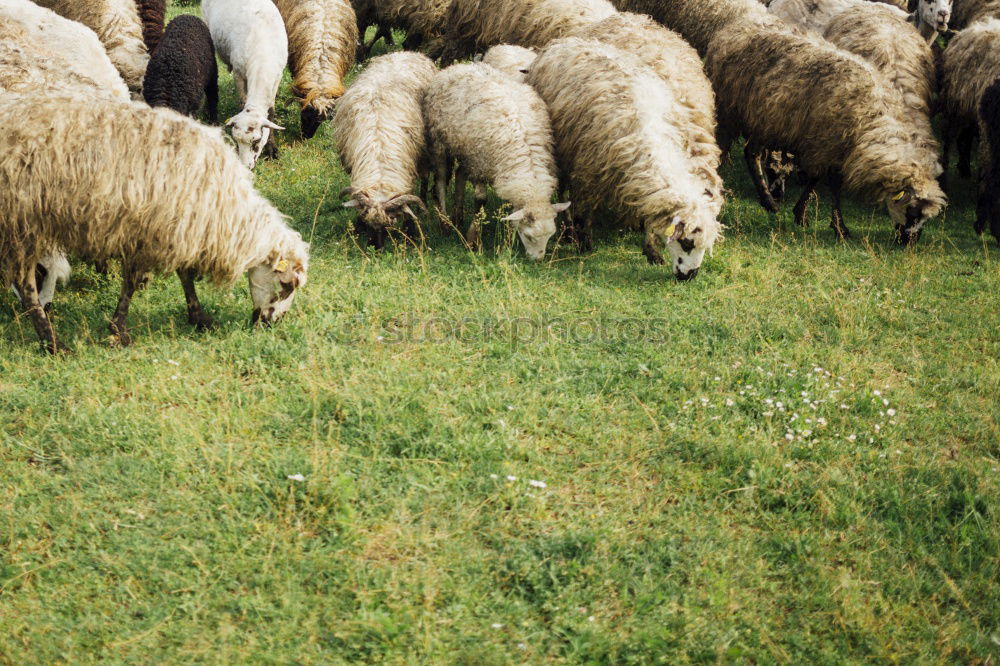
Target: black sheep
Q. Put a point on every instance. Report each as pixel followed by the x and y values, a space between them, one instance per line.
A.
pixel 183 69
pixel 988 208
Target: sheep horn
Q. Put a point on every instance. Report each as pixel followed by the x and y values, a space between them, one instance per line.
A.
pixel 272 125
pixel 406 200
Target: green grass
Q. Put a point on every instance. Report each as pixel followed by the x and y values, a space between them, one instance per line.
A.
pixel 146 514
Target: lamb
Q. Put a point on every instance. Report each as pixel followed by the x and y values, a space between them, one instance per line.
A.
pixel 322 40
pixel 379 129
pixel 857 135
pixel 183 70
pixel 969 65
pixel 475 25
pixel 125 191
pixel 512 60
pixel 698 21
pixel 988 207
pixel 152 13
pixel 931 17
pixel 499 131
pixel 119 28
pixel 77 49
pixel 249 36
pixel 621 137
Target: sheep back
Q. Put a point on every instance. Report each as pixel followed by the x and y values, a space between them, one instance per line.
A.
pixel 183 68
pixel 119 28
pixel 498 129
pixel 966 12
pixel 378 124
pixel 322 41
pixel 698 21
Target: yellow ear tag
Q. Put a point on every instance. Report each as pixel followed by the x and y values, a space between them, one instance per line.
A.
pixel 671 229
pixel 900 195
pixel 281 266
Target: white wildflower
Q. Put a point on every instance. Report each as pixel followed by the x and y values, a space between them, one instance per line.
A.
pixel 296 477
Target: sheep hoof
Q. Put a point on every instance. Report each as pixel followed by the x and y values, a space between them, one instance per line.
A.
pixel 652 255
pixel 201 320
pixel 119 336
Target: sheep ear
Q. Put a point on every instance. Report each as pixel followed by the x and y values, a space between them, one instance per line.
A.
pixel 271 125
pixel 231 122
pixel 560 207
pixel 351 204
pixel 516 216
pixel 676 228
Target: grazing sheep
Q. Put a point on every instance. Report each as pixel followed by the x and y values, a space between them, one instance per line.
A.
pixel 476 25
pixel 969 65
pixel 988 208
pixel 379 130
pixel 249 36
pixel 423 22
pixel 967 12
pixel 698 21
pixel 678 64
pixel 126 192
pixel 499 131
pixel 152 13
pixel 513 61
pixel 931 17
pixel 119 28
pixel 65 45
pixel 322 41
pixel 621 138
pixel 838 116
pixel 183 70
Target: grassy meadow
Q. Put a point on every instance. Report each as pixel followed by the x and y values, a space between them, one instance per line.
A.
pixel 443 456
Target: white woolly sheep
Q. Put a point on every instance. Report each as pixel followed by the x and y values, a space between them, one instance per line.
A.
pixel 75 46
pixel 857 132
pixel 498 130
pixel 322 41
pixel 969 65
pixel 512 60
pixel 931 16
pixel 379 130
pixel 119 28
pixel 476 25
pixel 125 191
pixel 249 36
pixel 621 138
pixel 697 21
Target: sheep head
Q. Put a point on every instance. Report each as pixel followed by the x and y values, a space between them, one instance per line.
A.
pixel 380 213
pixel 910 207
pixel 687 236
pixel 934 13
pixel 535 226
pixel 251 130
pixel 274 282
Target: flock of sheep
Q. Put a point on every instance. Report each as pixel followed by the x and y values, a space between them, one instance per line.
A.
pixel 624 104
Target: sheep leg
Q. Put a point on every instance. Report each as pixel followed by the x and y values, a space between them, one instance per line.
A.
pixel 197 316
pixel 441 187
pixel 837 220
pixel 651 252
pixel 27 287
pixel 965 140
pixel 212 95
pixel 753 153
pixel 131 280
pixel 801 206
pixel 584 231
pixel 376 237
pixel 479 197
